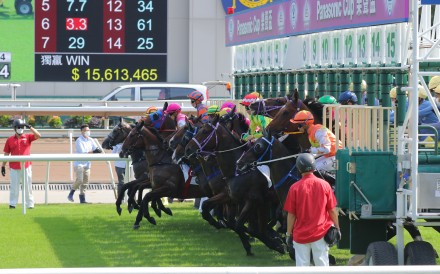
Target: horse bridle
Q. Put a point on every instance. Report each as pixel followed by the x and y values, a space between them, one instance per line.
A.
pixel 202 144
pixel 139 136
pixel 111 137
pixel 267 109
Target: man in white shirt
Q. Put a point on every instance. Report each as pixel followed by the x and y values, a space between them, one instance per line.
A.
pixel 84 144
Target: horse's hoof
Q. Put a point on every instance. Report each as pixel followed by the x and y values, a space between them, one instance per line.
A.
pixel 168 211
pixel 130 209
pixel 152 221
pixel 250 254
pixel 119 210
pixel 136 227
pixel 158 212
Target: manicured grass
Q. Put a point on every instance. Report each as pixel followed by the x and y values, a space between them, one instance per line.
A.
pixel 17 37
pixel 93 235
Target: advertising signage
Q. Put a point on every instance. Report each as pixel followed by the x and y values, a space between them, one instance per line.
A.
pixel 297 17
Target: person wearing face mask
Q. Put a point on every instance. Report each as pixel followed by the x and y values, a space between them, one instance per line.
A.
pixel 20 144
pixel 84 144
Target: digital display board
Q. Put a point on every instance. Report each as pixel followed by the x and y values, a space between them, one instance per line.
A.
pixel 100 40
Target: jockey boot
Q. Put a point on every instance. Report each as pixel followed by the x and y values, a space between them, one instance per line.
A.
pixel 82 198
pixel 70 196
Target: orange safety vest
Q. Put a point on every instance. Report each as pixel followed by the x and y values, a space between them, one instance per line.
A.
pixel 314 142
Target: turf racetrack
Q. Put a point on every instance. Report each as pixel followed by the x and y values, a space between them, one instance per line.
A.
pixel 93 235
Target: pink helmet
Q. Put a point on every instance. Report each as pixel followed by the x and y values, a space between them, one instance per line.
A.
pixel 227 105
pixel 173 107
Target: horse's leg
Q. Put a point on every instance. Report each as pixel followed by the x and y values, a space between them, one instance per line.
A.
pixel 166 210
pixel 140 192
pixel 155 194
pixel 241 230
pixel 126 187
pixel 144 211
pixel 211 203
pixel 133 204
pixel 154 206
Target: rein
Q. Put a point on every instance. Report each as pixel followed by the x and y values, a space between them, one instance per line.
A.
pixel 267 109
pixel 275 160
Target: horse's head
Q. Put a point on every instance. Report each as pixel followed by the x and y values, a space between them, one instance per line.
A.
pixel 316 108
pixel 281 121
pixel 117 135
pixel 133 141
pixel 235 122
pixel 261 150
pixel 183 136
pixel 205 140
pixel 141 137
pixel 268 107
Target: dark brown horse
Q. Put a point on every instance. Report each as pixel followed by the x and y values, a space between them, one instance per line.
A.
pixel 283 170
pixel 248 191
pixel 166 178
pixel 140 166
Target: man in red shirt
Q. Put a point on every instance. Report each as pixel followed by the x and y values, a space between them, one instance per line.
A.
pixel 20 144
pixel 311 207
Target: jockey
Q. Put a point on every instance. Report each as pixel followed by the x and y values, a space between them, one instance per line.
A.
pixel 348 98
pixel 196 101
pixel 174 111
pixel 323 141
pixel 227 105
pixel 258 122
pixel 150 110
pixel 328 100
pixel 213 111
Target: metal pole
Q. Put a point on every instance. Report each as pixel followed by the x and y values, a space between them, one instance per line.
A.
pixel 46 193
pixel 23 188
pixel 71 152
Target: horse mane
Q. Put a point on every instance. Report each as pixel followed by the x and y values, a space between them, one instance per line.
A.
pixel 155 132
pixel 242 119
pixel 316 108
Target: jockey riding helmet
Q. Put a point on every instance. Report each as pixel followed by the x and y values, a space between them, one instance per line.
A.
pixel 347 97
pixel 250 98
pixel 227 105
pixel 196 96
pixel 214 109
pixel 363 86
pixel 434 84
pixel 172 108
pixel 18 123
pixel 328 100
pixel 150 110
pixel 303 117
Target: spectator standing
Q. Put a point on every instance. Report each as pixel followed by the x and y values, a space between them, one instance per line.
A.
pixel 311 208
pixel 84 144
pixel 20 144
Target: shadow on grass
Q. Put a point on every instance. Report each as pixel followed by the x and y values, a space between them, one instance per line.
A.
pixel 182 240
pixel 70 242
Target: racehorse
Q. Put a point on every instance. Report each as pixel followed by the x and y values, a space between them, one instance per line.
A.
pixel 283 170
pixel 140 166
pixel 248 190
pixel 166 178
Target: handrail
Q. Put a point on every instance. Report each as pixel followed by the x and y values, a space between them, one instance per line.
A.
pixel 57 158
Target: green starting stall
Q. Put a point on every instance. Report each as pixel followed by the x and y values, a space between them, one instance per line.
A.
pixel 382 180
